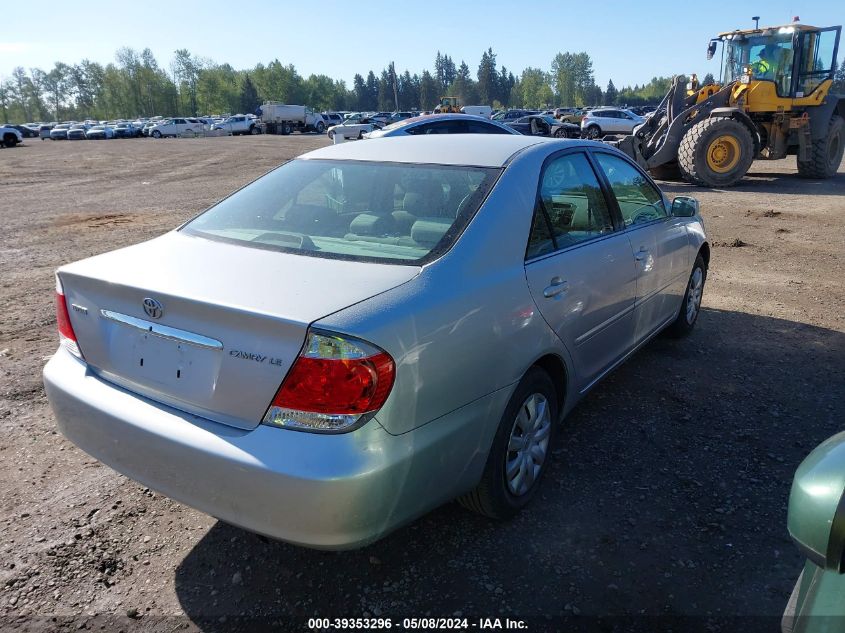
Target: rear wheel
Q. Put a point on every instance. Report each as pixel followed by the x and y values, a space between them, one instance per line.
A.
pixel 560 133
pixel 320 127
pixel 716 152
pixel 593 132
pixel 520 450
pixel 825 153
pixel 156 134
pixel 10 140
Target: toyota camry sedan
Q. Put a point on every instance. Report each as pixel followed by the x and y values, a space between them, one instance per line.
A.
pixel 372 330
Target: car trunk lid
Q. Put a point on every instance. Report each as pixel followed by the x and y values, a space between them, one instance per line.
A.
pixel 208 327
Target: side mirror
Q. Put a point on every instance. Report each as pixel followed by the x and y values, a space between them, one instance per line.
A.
pixel 685 207
pixel 816 519
pixel 711 48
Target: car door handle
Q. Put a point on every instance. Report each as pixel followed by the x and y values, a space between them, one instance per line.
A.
pixel 557 287
pixel 641 254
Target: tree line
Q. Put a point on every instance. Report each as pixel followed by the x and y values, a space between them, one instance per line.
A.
pixel 136 85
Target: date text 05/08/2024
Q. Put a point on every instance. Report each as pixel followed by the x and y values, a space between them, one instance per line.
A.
pixel 428 623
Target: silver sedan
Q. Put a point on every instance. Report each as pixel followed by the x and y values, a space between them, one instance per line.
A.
pixel 372 330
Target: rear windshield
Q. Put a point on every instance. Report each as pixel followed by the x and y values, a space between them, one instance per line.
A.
pixel 369 211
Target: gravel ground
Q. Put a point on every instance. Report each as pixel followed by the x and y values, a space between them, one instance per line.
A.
pixel 666 499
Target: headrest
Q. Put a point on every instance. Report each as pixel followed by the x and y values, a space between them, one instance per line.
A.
pixel 429 231
pixel 366 224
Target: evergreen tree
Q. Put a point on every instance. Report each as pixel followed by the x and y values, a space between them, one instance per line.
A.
pixel 708 79
pixel 359 89
pixel 249 95
pixel 372 92
pixel 429 91
pixel 487 86
pixel 611 94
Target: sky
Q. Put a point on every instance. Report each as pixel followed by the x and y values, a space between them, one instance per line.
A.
pixel 629 42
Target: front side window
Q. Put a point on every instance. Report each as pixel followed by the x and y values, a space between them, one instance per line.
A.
pixel 387 212
pixel 639 201
pixel 571 207
pixel 770 58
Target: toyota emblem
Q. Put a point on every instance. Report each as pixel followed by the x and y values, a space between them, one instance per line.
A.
pixel 153 308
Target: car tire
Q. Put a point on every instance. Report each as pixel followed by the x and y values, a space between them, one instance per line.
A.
pixel 10 140
pixel 156 134
pixel 560 133
pixel 691 304
pixel 331 134
pixel 501 493
pixel 320 127
pixel 593 132
pixel 253 130
pixel 361 135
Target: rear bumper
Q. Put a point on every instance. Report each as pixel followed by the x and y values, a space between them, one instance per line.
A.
pixel 325 491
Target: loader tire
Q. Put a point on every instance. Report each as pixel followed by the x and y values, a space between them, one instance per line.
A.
pixel 825 153
pixel 716 152
pixel 667 171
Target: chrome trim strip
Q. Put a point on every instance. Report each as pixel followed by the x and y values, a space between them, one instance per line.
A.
pixel 163 331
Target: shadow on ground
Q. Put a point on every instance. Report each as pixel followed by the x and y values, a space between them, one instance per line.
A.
pixel 667 496
pixel 765 181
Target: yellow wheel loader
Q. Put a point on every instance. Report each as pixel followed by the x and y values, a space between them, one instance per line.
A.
pixel 446 105
pixel 773 99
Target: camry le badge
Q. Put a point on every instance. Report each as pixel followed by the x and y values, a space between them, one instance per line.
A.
pixel 153 308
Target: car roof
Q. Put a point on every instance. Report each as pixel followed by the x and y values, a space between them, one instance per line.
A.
pixel 480 150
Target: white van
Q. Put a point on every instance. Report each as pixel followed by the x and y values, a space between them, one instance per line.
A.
pixel 485 111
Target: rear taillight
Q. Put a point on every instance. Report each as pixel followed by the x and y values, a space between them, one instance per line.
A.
pixel 336 384
pixel 67 337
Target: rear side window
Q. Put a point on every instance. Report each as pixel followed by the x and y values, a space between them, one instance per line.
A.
pixel 387 212
pixel 639 201
pixel 571 207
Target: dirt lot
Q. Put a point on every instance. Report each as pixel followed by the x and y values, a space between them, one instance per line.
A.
pixel 667 496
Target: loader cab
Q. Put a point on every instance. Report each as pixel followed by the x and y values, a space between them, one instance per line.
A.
pixel 796 58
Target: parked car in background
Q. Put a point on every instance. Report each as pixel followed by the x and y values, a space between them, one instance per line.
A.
pixel 25 131
pixel 239 124
pixel 10 136
pixel 444 323
pixel 77 132
pixel 354 127
pixel 601 121
pixel 97 132
pixel 59 132
pixel 145 131
pixel 332 118
pixel 545 125
pixel 573 115
pixel 511 115
pixel 175 127
pixel 395 117
pixel 44 131
pixel 126 130
pixel 442 124
pixel 815 522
